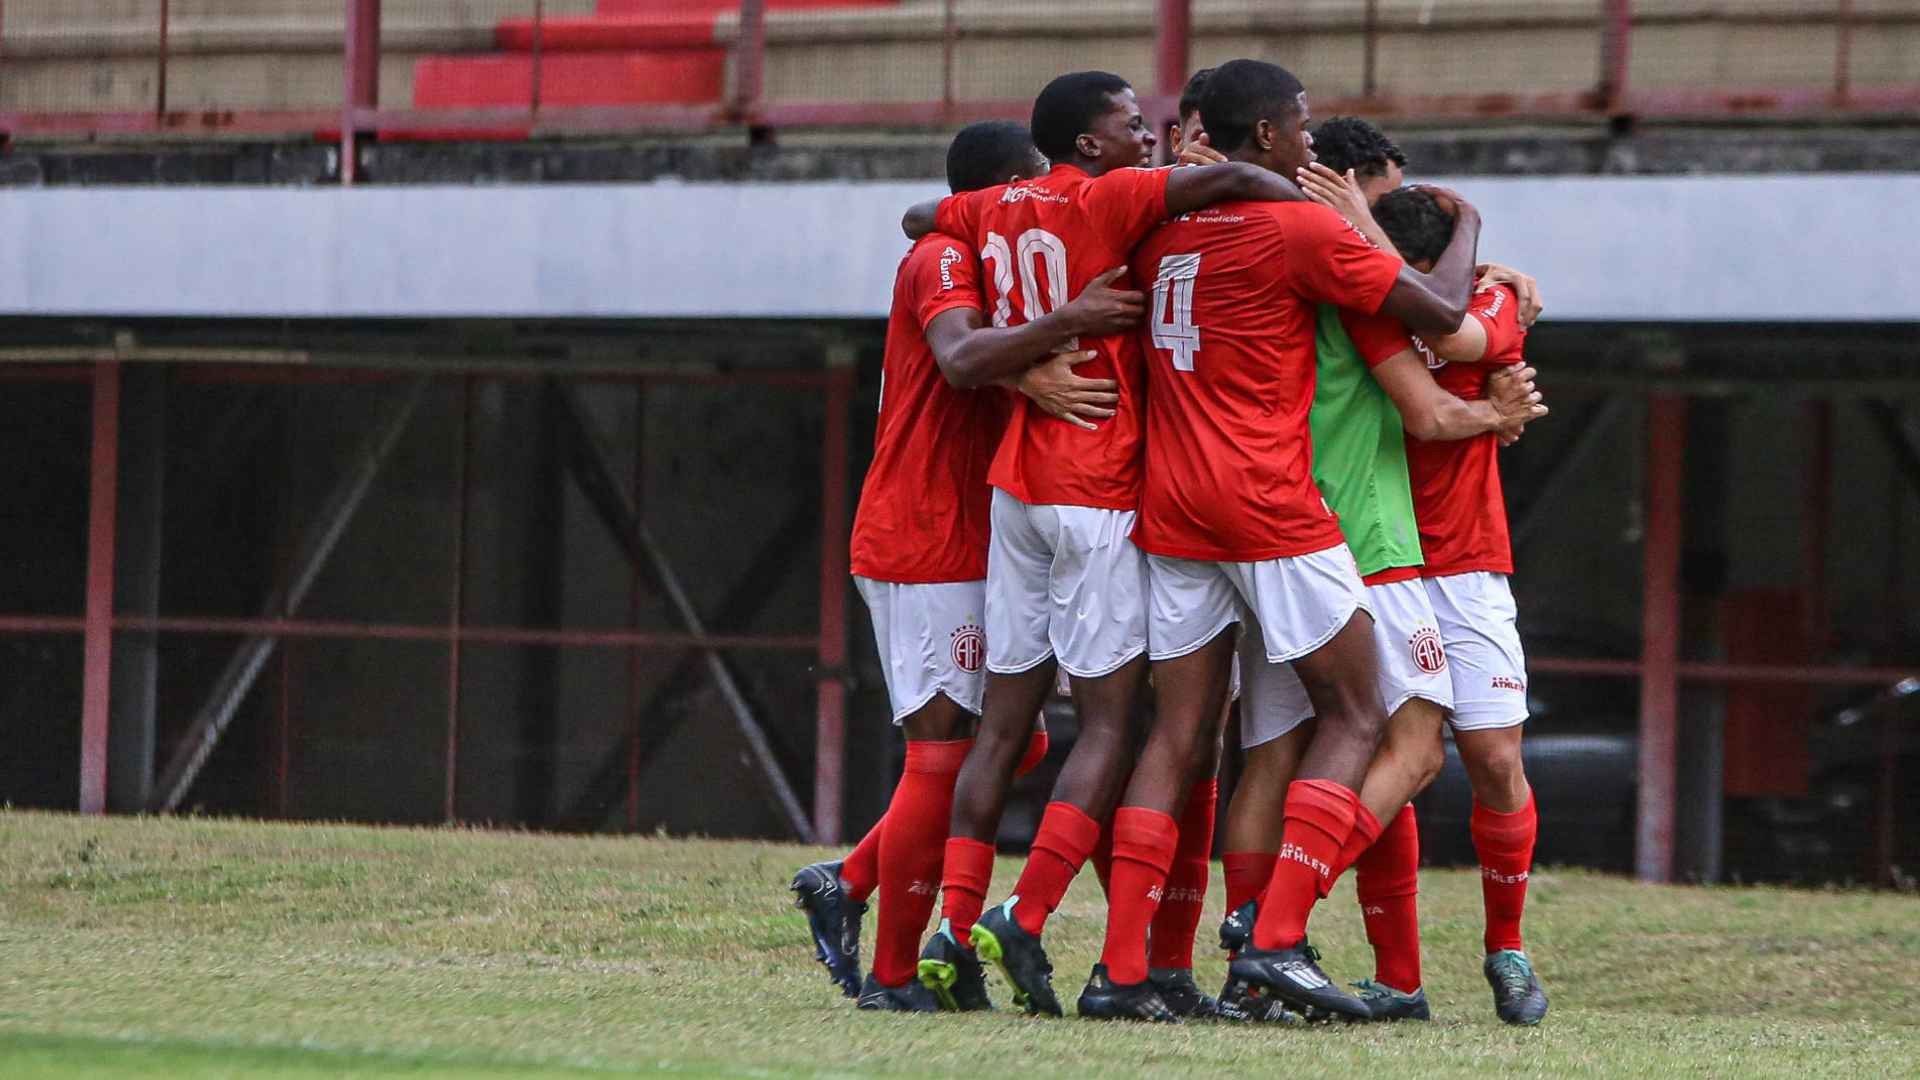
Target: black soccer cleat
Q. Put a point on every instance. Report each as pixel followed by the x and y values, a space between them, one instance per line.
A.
pixel 1293 975
pixel 1236 930
pixel 834 919
pixel 998 938
pixel 953 973
pixel 1249 1004
pixel 1184 996
pixel 911 997
pixel 1104 999
pixel 1390 1004
pixel 1517 994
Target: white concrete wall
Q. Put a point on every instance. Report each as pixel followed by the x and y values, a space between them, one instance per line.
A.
pixel 1806 248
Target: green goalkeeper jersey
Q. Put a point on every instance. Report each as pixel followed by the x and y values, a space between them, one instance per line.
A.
pixel 1360 454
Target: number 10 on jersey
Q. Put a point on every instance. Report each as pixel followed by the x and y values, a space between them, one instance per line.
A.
pixel 1173 328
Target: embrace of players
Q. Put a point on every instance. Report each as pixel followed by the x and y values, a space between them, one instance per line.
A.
pixel 1229 430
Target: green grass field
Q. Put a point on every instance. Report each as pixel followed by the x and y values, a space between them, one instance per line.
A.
pixel 210 948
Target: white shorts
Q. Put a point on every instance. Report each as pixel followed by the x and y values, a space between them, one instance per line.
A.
pixel 1298 603
pixel 1477 626
pixel 1063 581
pixel 1412 657
pixel 931 640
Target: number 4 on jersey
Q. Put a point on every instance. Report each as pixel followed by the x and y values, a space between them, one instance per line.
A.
pixel 1173 328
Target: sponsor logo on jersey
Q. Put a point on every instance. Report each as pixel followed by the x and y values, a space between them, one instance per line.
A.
pixel 969 648
pixel 1499 878
pixel 1434 363
pixel 1026 194
pixel 1499 301
pixel 1508 682
pixel 1428 654
pixel 947 259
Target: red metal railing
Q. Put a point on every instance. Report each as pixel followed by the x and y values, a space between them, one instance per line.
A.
pixel 64 72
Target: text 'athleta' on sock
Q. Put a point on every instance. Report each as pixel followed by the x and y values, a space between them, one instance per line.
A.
pixel 1504 843
pixel 1036 753
pixel 1144 842
pixel 1060 848
pixel 911 850
pixel 1386 879
pixel 1366 829
pixel 1247 874
pixel 1319 818
pixel 1184 902
pixel 965 873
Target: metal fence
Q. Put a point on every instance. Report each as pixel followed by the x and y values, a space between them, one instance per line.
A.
pixel 514 68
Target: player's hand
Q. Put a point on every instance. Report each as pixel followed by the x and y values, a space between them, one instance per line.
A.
pixel 1101 309
pixel 1490 274
pixel 1450 202
pixel 1200 151
pixel 1514 397
pixel 1059 392
pixel 1343 196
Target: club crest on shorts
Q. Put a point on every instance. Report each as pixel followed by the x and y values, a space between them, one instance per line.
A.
pixel 969 648
pixel 1428 655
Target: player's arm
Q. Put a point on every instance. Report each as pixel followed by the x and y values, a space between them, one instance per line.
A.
pixel 1196 187
pixel 1057 391
pixel 971 354
pixel 1434 303
pixel 1431 414
pixel 918 220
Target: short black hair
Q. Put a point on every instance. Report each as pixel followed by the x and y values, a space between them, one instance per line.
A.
pixel 987 153
pixel 1241 93
pixel 1190 97
pixel 1415 223
pixel 1348 142
pixel 1066 109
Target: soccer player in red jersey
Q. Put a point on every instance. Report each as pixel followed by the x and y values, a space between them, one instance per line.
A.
pixel 1237 533
pixel 1065 586
pixel 919 554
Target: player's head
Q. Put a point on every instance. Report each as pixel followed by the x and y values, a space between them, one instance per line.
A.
pixel 1189 126
pixel 992 152
pixel 1089 119
pixel 1256 111
pixel 1416 224
pixel 1348 142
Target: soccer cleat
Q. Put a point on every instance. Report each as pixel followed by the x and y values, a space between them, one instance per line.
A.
pixel 1390 1004
pixel 953 973
pixel 909 998
pixel 1517 994
pixel 1236 930
pixel 834 919
pixel 1104 999
pixel 1243 1002
pixel 1184 996
pixel 998 938
pixel 1293 975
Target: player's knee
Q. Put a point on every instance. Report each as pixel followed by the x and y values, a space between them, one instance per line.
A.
pixel 1497 765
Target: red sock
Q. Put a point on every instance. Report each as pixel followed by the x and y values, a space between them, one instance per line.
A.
pixel 1366 829
pixel 965 873
pixel 1170 942
pixel 910 854
pixel 1247 874
pixel 1319 817
pixel 1101 859
pixel 861 869
pixel 1060 848
pixel 1505 845
pixel 1387 880
pixel 1036 753
pixel 1144 842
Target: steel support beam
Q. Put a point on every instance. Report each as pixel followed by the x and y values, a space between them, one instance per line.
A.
pixel 362 58
pixel 1173 30
pixel 103 503
pixel 830 747
pixel 588 461
pixel 1660 638
pixel 213 716
pixel 136 654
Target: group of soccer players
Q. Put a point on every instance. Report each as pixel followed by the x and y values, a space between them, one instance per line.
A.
pixel 1175 427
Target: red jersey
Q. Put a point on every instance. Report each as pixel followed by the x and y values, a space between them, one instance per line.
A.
pixel 923 508
pixel 1456 485
pixel 1044 241
pixel 1231 372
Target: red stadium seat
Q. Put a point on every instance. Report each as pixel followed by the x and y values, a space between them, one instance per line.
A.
pixel 680 76
pixel 587 33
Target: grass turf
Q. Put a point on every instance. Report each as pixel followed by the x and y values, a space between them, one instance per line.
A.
pixel 161 948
